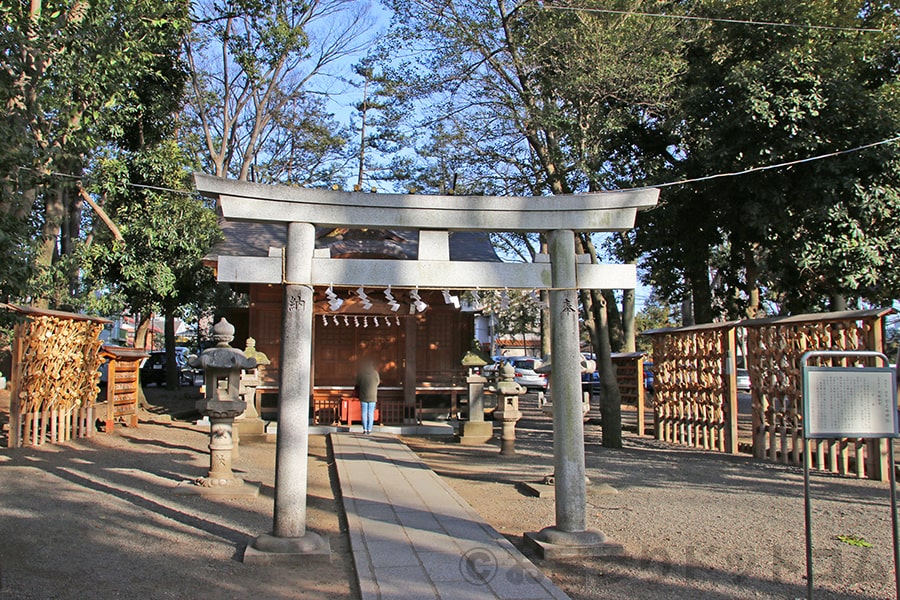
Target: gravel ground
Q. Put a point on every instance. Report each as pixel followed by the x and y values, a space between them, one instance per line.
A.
pixel 97 519
pixel 694 524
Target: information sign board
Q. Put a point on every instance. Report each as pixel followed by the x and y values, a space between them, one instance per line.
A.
pixel 849 402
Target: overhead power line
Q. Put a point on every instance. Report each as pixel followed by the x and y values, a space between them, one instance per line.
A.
pixel 637 13
pixel 747 171
pixel 780 165
pixel 154 188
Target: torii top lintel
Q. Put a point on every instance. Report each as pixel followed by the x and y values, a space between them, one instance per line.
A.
pixel 603 211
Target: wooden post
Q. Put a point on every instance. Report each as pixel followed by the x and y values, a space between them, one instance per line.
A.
pixel 640 395
pixel 110 395
pixel 859 451
pixel 15 378
pixel 410 332
pixel 877 467
pixel 730 400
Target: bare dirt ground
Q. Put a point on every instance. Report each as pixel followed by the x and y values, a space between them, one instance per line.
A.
pixel 97 518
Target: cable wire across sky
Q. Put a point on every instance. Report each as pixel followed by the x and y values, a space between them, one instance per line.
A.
pixel 637 13
pixel 747 171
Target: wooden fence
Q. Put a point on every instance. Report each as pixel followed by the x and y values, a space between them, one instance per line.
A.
pixel 328 404
pixel 629 367
pixel 695 400
pixel 54 383
pixel 696 394
pixel 774 347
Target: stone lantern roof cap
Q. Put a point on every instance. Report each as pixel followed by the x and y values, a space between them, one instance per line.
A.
pixel 223 358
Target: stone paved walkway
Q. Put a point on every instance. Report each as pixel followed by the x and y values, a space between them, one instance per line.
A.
pixel 413 537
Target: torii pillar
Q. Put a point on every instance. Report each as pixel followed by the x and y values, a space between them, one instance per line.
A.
pixel 571 535
pixel 290 539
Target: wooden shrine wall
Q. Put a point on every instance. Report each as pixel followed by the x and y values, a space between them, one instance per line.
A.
pixel 340 343
pixel 443 335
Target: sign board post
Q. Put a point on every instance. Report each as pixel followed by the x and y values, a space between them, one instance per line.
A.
pixel 849 402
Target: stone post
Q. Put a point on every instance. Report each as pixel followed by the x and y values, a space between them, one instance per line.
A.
pixel 476 430
pixel 290 541
pixel 250 424
pixel 570 536
pixel 222 366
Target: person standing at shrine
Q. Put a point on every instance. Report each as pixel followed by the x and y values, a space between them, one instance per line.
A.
pixel 367 380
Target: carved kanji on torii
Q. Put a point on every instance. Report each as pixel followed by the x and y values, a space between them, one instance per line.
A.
pixel 299 267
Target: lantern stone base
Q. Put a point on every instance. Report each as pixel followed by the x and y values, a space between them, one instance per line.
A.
pixel 475 433
pixel 269 549
pixel 551 543
pixel 234 488
pixel 508 419
pixel 251 430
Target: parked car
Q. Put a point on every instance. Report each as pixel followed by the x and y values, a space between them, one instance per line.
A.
pixel 153 370
pixel 526 376
pixel 743 380
pixel 592 377
pixel 491 369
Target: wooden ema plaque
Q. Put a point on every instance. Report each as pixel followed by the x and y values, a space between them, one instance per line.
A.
pixel 123 384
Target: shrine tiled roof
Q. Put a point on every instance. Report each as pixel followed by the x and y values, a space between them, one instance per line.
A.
pixel 255 239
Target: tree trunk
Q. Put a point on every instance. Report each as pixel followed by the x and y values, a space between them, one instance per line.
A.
pixel 697 274
pixel 687 310
pixel 610 397
pixel 141 331
pixel 172 371
pixel 545 323
pixel 596 319
pixel 837 302
pixel 54 211
pixel 72 233
pixel 545 309
pixel 616 333
pixel 628 309
pixel 752 270
pixel 140 341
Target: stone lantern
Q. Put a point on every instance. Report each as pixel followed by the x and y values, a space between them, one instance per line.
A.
pixel 476 430
pixel 508 392
pixel 222 367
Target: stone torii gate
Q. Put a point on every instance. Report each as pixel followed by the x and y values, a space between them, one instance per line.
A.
pixel 299 267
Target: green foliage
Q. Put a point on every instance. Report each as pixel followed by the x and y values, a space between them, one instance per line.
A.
pixel 17 250
pixel 854 540
pixel 75 76
pixel 654 315
pixel 518 315
pixel 166 234
pixel 760 95
pixel 523 99
pixel 75 73
pixel 380 113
